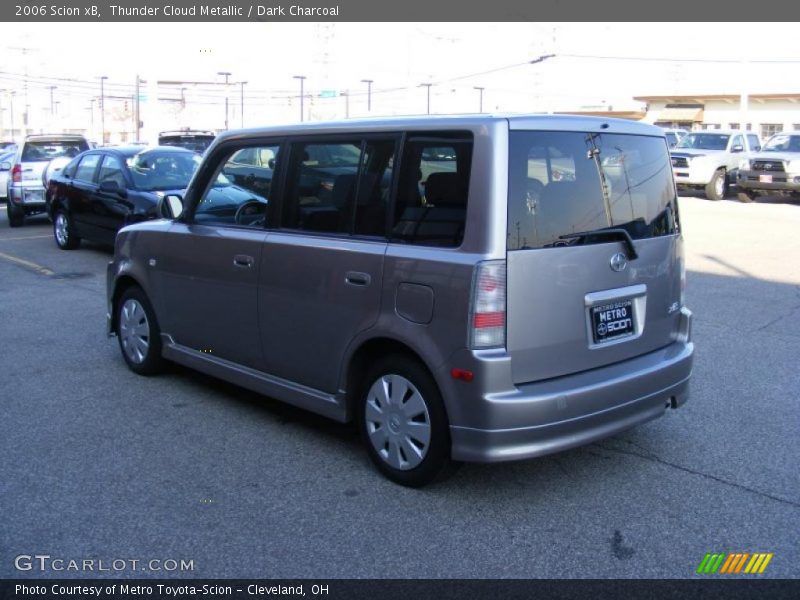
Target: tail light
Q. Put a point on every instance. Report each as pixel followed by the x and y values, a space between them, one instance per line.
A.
pixel 488 311
pixel 16 173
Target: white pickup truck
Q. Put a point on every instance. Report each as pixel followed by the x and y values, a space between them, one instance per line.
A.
pixel 709 160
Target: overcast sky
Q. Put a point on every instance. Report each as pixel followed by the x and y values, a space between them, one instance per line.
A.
pixel 453 56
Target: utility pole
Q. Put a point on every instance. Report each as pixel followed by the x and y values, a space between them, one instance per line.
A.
pixel 346 95
pixel 103 109
pixel 369 83
pixel 226 74
pixel 241 101
pixel 428 86
pixel 480 97
pixel 302 79
pixel 136 114
pixel 52 105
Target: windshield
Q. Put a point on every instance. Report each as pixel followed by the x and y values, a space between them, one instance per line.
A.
pixel 782 143
pixel 48 150
pixel 195 143
pixel 705 141
pixel 561 183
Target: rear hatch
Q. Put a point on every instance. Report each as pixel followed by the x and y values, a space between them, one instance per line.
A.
pixel 37 153
pixel 595 262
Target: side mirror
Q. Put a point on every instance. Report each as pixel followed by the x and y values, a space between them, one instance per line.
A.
pixel 271 163
pixel 6 166
pixel 171 206
pixel 112 187
pixel 737 148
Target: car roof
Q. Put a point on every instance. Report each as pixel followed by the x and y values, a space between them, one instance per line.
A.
pixel 55 137
pixel 128 151
pixel 541 122
pixel 723 131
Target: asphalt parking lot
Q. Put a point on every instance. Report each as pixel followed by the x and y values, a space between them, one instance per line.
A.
pixel 99 463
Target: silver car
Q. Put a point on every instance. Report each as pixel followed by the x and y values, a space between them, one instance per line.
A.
pixel 26 189
pixel 463 288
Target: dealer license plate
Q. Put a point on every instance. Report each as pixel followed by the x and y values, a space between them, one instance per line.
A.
pixel 765 178
pixel 612 321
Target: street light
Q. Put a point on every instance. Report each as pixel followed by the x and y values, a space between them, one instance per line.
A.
pixel 427 85
pixel 302 79
pixel 225 74
pixel 480 96
pixel 241 100
pixel 103 108
pixel 369 83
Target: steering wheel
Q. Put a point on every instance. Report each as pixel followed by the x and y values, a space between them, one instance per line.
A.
pixel 252 213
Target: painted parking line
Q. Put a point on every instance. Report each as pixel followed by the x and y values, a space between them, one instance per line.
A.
pixel 29 237
pixel 31 266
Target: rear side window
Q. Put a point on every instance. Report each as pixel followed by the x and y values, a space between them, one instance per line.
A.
pixel 37 150
pixel 431 205
pixel 562 183
pixel 87 167
pixel 340 187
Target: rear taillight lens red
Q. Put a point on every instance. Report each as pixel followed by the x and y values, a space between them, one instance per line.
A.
pixel 488 312
pixel 16 173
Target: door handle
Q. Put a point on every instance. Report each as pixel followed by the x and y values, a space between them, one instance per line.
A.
pixel 357 278
pixel 242 260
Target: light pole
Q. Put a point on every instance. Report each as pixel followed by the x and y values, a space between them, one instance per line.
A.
pixel 302 79
pixel 428 86
pixel 241 101
pixel 369 83
pixel 11 106
pixel 225 74
pixel 480 97
pixel 103 109
pixel 346 95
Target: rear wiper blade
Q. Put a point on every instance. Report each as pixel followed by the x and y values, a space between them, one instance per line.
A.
pixel 614 234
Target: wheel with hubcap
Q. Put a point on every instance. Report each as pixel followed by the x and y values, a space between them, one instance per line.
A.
pixel 403 421
pixel 63 231
pixel 717 188
pixel 138 333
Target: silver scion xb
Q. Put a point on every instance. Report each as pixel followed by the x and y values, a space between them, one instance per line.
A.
pixel 477 288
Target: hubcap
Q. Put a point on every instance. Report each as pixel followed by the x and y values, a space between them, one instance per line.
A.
pixel 398 423
pixel 134 330
pixel 62 229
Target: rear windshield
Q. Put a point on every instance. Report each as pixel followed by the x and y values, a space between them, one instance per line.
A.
pixel 562 183
pixel 43 150
pixel 195 143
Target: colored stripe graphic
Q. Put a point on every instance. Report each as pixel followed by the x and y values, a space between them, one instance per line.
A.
pixel 733 563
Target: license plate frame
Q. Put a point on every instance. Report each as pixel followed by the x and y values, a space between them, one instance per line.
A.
pixel 612 321
pixel 764 178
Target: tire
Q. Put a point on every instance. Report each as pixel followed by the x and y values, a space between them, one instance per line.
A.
pixel 746 196
pixel 138 333
pixel 64 231
pixel 405 431
pixel 717 188
pixel 15 216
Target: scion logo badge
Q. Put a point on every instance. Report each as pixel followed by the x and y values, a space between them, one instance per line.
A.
pixel 602 329
pixel 734 563
pixel 618 262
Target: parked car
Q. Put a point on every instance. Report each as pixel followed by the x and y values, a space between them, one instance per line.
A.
pixel 674 136
pixel 773 171
pixel 6 159
pixel 26 193
pixel 489 318
pixel 191 139
pixel 708 160
pixel 105 189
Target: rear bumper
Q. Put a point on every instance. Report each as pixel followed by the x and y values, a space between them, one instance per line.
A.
pixel 27 195
pixel 558 414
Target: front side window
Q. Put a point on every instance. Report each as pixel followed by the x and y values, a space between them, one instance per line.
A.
pixel 240 192
pixel 431 206
pixel 87 167
pixel 563 183
pixel 737 141
pixel 111 170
